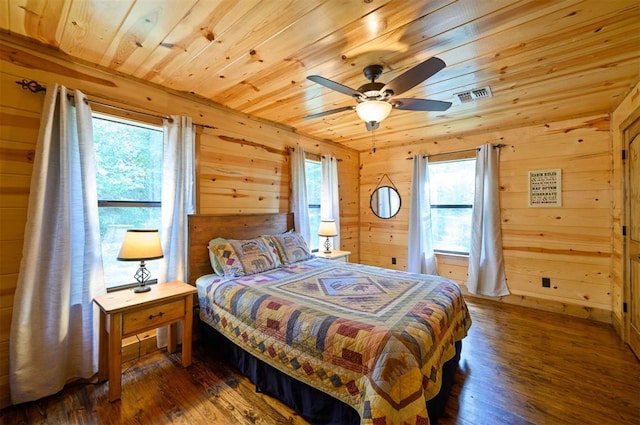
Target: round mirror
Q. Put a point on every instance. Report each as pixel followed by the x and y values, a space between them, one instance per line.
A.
pixel 385 202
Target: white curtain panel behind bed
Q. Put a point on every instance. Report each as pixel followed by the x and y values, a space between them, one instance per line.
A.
pixel 299 203
pixel 330 201
pixel 178 201
pixel 54 328
pixel 420 254
pixel 486 263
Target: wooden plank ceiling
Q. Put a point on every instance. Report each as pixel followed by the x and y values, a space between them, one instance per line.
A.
pixel 543 60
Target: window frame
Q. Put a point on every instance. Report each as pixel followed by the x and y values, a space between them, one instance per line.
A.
pixel 134 120
pixel 310 206
pixel 451 157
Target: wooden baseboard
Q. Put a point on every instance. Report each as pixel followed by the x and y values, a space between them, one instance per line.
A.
pixel 618 326
pixel 590 313
pixel 140 345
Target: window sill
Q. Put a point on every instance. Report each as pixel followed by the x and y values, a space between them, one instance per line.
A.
pixel 452 255
pixel 130 285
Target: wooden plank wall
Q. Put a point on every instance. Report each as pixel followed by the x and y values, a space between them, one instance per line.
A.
pixel 572 245
pixel 20 119
pixel 243 163
pixel 225 187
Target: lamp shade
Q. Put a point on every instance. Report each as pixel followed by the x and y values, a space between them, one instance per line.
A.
pixel 328 228
pixel 140 245
pixel 373 110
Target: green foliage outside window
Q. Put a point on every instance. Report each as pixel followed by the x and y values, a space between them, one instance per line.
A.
pixel 313 175
pixel 452 187
pixel 128 170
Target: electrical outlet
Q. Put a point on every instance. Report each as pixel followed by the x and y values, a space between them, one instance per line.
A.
pixel 546 282
pixel 393 260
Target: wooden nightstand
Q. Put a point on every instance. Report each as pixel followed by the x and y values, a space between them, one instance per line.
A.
pixel 335 255
pixel 125 313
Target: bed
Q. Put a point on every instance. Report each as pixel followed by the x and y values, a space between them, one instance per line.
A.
pixel 341 343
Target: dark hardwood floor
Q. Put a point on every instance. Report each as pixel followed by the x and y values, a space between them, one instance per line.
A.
pixel 518 366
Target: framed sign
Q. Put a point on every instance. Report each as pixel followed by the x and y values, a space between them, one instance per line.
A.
pixel 545 188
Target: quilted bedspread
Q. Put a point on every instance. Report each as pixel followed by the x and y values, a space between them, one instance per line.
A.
pixel 374 338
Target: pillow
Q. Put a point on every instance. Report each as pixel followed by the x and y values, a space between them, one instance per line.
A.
pixel 244 257
pixel 273 249
pixel 291 247
pixel 215 264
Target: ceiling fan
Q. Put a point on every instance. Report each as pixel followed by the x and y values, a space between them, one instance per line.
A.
pixel 375 100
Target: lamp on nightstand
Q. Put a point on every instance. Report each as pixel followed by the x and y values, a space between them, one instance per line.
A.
pixel 327 228
pixel 141 245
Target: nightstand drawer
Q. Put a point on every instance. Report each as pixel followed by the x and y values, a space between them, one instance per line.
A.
pixel 152 317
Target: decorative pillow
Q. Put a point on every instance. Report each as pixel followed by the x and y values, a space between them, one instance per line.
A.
pixel 225 255
pixel 244 257
pixel 292 247
pixel 215 264
pixel 273 249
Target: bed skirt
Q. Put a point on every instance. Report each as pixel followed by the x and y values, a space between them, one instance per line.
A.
pixel 317 407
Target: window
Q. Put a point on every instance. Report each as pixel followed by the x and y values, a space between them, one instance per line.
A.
pixel 129 183
pixel 313 175
pixel 452 187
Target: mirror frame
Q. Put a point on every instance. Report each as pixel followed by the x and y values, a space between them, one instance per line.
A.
pixel 373 194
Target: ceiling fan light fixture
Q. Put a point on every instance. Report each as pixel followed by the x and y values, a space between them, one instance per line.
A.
pixel 373 110
pixel 375 100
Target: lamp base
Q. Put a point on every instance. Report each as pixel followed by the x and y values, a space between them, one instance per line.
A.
pixel 142 274
pixel 142 288
pixel 327 246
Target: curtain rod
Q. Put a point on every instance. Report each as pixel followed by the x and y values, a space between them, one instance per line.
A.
pixel 292 148
pixel 498 146
pixel 35 87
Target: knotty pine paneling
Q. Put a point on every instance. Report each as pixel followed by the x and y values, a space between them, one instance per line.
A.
pixel 572 245
pixel 250 174
pixel 242 163
pixel 453 267
pixel 544 61
pixel 19 122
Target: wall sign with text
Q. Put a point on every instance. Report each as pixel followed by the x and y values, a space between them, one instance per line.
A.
pixel 545 188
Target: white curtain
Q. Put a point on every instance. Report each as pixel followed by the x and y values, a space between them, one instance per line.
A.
pixel 54 328
pixel 486 264
pixel 384 202
pixel 178 200
pixel 420 256
pixel 299 202
pixel 330 200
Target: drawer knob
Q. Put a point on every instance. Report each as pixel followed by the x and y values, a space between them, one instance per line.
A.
pixel 151 316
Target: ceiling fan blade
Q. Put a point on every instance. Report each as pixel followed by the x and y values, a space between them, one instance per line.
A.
pixel 329 112
pixel 421 105
pixel 414 76
pixel 334 86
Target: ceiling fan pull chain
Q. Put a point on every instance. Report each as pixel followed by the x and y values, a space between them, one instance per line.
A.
pixel 373 139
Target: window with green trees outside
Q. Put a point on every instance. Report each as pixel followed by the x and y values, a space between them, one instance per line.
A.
pixel 129 183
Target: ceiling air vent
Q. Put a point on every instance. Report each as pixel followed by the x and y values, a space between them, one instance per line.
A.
pixel 472 95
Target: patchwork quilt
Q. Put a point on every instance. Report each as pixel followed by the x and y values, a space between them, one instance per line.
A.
pixel 374 338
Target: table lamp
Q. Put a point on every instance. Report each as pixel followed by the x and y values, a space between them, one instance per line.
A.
pixel 328 229
pixel 141 245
